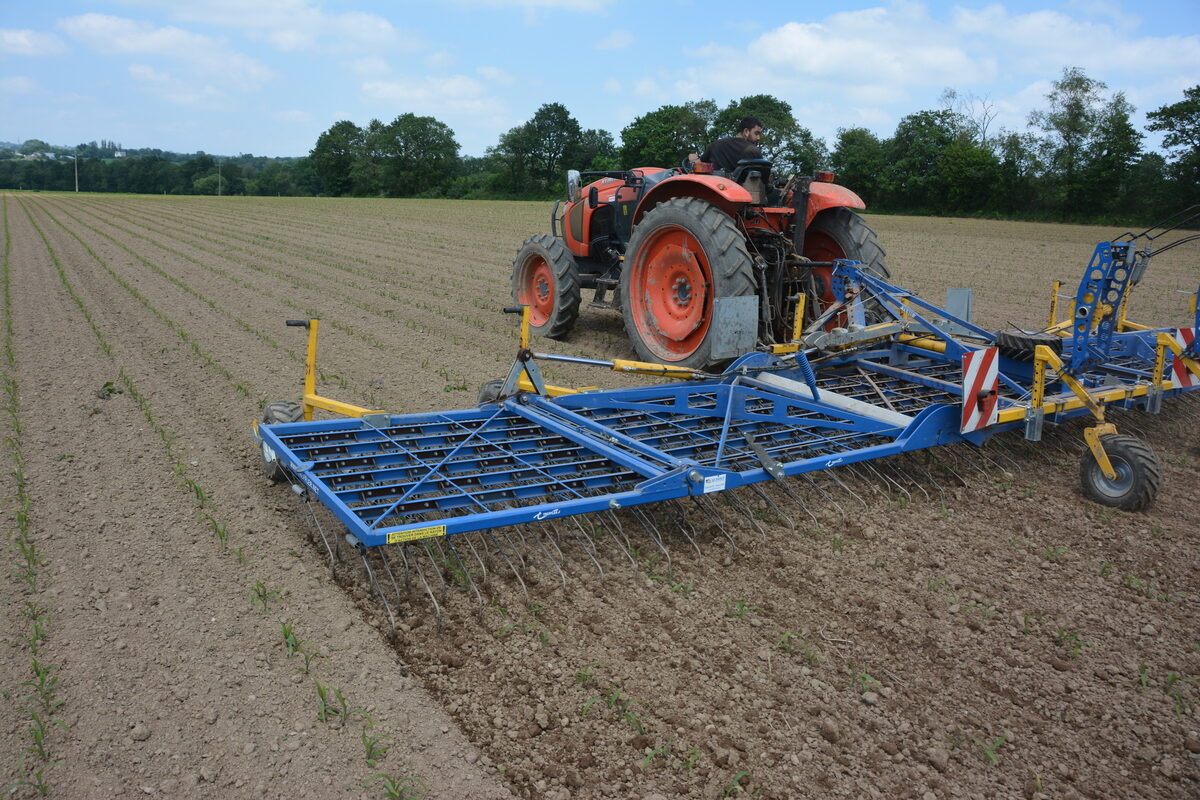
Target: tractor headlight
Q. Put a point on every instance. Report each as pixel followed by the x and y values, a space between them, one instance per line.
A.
pixel 573 185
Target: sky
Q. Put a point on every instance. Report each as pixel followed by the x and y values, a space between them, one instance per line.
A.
pixel 268 76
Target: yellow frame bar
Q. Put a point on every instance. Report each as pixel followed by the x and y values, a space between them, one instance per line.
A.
pixel 311 399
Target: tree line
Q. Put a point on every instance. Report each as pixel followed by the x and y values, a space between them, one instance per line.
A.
pixel 1079 157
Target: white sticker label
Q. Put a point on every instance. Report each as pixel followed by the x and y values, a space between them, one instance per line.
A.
pixel 714 483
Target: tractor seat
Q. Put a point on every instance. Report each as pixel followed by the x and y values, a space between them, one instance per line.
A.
pixel 754 174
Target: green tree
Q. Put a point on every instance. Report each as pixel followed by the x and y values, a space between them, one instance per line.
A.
pixel 421 154
pixel 1180 123
pixel 1068 124
pixel 913 177
pixel 1113 149
pixel 858 159
pixel 367 170
pixel 661 138
pixel 532 158
pixel 334 155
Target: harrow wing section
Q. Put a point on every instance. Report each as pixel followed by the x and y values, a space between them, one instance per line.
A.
pixel 393 479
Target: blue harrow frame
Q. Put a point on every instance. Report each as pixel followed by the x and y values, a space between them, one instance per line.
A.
pixel 843 391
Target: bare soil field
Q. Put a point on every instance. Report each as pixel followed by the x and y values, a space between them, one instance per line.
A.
pixel 959 626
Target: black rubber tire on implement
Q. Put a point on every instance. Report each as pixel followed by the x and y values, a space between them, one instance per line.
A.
pixel 490 391
pixel 722 265
pixel 1020 345
pixel 1139 474
pixel 275 413
pixel 545 277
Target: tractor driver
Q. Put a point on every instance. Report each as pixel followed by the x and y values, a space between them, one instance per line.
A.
pixel 724 154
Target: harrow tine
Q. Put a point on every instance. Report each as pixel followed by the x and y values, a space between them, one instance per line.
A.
pixel 603 520
pixel 562 575
pixel 437 608
pixel 833 474
pixel 387 567
pixel 324 539
pixel 588 545
pixel 916 466
pixel 774 508
pixel 799 501
pixel 821 490
pixel 362 554
pixel 890 466
pixel 684 524
pixel 740 506
pixel 658 540
pixel 466 573
pixel 866 480
pixel 519 553
pixel 407 569
pixel 711 512
pixel 504 553
pixel 437 566
pixel 471 544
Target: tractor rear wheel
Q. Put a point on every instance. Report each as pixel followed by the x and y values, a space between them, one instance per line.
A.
pixel 840 233
pixel 683 255
pixel 545 277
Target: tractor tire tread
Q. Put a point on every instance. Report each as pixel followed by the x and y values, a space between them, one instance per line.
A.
pixel 1021 345
pixel 568 289
pixel 277 413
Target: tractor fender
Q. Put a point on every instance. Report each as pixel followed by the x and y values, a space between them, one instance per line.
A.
pixel 829 195
pixel 721 192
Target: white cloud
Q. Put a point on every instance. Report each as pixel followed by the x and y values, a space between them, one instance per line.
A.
pixel 145 74
pixel 17 84
pixel 370 67
pixel 551 5
pixel 440 59
pixel 24 42
pixel 453 94
pixel 205 54
pixel 612 86
pixel 166 87
pixel 617 40
pixel 495 75
pixel 293 117
pixel 296 25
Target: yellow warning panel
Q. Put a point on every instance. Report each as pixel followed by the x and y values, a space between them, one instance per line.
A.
pixel 400 537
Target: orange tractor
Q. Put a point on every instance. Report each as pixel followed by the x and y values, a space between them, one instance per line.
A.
pixel 704 266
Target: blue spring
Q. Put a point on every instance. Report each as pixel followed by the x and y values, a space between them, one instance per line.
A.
pixel 806 369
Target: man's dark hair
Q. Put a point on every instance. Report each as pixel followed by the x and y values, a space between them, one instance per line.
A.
pixel 749 123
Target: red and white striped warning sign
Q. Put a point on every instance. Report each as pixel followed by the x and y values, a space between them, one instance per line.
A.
pixel 981 388
pixel 1184 378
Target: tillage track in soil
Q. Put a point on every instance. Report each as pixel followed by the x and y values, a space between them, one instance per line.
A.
pixel 957 623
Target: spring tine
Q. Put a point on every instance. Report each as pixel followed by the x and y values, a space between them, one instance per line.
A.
pixel 602 519
pixel 362 554
pixel 504 552
pixel 685 525
pixel 436 567
pixel 470 540
pixel 799 501
pixel 387 567
pixel 833 474
pixel 711 512
pixel 466 573
pixel 588 545
pixel 407 570
pixel 437 609
pixel 919 468
pixel 773 506
pixel 658 540
pixel 887 481
pixel 866 481
pixel 519 553
pixel 891 467
pixel 821 489
pixel 652 532
pixel 562 575
pixel 736 502
pixel 616 522
pixel 321 531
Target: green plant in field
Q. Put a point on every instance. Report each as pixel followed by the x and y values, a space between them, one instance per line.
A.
pixel 663 751
pixel 308 656
pixel 291 643
pixel 737 784
pixel 220 530
pixel 583 675
pixel 1072 642
pixel 375 745
pixel 409 788
pixel 738 608
pixel 692 759
pixel 989 750
pixel 263 596
pixel 1052 554
pixel 862 680
pixel 1143 676
pixel 35 780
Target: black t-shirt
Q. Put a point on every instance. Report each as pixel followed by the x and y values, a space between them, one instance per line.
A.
pixel 725 153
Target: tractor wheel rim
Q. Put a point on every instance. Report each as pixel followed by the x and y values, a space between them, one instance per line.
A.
pixel 672 294
pixel 537 290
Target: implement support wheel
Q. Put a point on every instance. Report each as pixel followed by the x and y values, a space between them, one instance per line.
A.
pixel 683 255
pixel 545 277
pixel 1138 474
pixel 274 414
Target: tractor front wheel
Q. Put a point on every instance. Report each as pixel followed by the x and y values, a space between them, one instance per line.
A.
pixel 840 233
pixel 545 277
pixel 683 255
pixel 1138 474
